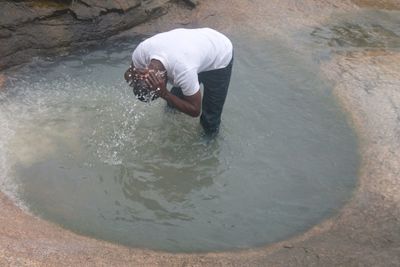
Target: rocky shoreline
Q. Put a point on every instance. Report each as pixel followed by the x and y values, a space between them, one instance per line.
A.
pixel 47 28
pixel 366 232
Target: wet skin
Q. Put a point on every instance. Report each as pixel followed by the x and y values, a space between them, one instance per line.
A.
pixel 190 105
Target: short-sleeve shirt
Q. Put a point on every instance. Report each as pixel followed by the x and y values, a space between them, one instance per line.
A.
pixel 185 53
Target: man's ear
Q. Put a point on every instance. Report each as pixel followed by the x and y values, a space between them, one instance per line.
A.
pixel 129 71
pixel 126 74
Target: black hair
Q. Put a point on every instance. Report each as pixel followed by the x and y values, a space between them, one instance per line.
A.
pixel 143 92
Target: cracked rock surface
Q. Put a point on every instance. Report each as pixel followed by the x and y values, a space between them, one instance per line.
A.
pixel 37 28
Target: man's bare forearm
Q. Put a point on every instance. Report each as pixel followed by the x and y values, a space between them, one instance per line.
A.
pixel 182 105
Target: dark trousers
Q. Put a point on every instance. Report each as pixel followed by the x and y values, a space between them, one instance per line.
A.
pixel 216 83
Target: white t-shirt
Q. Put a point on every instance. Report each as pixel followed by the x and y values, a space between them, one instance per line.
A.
pixel 185 53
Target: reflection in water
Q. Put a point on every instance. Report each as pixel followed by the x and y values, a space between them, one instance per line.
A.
pixel 157 185
pixel 84 153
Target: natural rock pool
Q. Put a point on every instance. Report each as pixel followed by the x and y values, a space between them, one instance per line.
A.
pixel 78 149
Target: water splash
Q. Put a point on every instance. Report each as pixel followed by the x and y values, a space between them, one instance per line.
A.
pixel 83 152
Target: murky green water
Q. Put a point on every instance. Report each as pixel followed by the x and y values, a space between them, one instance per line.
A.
pixel 79 150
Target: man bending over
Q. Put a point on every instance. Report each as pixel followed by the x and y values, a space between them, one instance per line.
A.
pixel 185 58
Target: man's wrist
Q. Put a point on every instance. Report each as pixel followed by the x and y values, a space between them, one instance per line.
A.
pixel 165 94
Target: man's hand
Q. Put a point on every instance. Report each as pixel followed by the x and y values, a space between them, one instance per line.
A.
pixel 133 74
pixel 157 83
pixel 190 105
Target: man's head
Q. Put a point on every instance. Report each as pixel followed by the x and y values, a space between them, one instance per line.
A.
pixel 137 79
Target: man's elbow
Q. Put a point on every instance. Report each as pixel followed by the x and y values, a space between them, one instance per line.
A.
pixel 195 113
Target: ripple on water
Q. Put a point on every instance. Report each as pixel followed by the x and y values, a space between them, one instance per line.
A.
pixel 83 153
